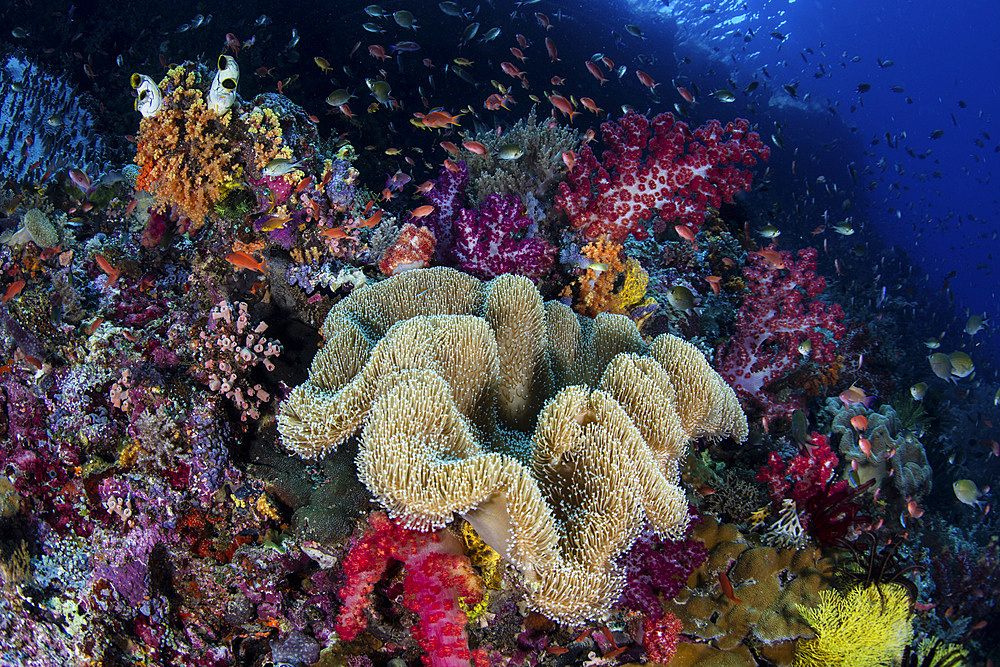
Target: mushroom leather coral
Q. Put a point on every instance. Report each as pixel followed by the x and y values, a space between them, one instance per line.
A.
pixel 448 377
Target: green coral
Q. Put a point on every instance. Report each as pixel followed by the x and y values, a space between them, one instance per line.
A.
pixel 864 627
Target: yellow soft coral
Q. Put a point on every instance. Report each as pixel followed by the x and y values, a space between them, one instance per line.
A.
pixel 865 627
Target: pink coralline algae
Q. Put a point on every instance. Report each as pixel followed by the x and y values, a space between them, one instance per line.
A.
pixel 437 577
pixel 658 165
pixel 781 311
pixel 491 241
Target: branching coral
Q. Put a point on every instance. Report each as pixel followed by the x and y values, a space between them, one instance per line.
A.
pixel 865 627
pixel 448 376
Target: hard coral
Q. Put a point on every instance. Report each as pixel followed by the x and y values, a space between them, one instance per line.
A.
pixel 658 165
pixel 447 400
pixel 768 585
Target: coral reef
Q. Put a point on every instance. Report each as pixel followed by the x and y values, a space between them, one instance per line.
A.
pixel 768 586
pixel 44 123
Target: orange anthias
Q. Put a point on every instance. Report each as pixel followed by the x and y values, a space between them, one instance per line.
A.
pixel 245 261
pixel 439 119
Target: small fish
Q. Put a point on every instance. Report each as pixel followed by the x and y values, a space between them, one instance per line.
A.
pixel 937 134
pixel 13 290
pixel 843 228
pixel 335 233
pixel 855 395
pixel 865 446
pixel 686 233
pixel 105 266
pixel 405 19
pixel 338 97
pixel 635 31
pixel 961 364
pixel 510 151
pixel 646 80
pixel 280 167
pixel 769 232
pixel 373 220
pixel 805 347
pixel 474 147
pixel 724 95
pixel 422 211
pixel 772 257
pixel 967 492
pixel 323 64
pixel 681 298
pixel 918 391
pixel 932 343
pixel 859 423
pixel 727 588
pixel 941 365
pixel 975 324
pixel 246 261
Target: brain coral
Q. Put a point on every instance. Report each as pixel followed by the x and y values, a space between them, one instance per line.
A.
pixel 556 436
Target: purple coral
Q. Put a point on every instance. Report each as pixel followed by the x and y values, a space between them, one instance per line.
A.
pixel 446 197
pixel 496 239
pixel 658 569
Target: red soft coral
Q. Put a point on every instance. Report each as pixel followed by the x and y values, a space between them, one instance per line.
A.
pixel 437 577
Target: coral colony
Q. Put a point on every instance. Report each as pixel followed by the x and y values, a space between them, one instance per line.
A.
pixel 256 412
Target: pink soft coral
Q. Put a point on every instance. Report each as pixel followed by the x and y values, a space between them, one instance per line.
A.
pixel 437 577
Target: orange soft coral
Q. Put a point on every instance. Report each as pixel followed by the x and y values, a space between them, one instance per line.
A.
pixel 185 152
pixel 594 293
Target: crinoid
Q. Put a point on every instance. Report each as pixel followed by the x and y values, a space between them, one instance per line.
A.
pixel 933 654
pixel 872 564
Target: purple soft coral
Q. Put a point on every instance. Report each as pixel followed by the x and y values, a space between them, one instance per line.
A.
pixel 491 241
pixel 446 197
pixel 658 569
